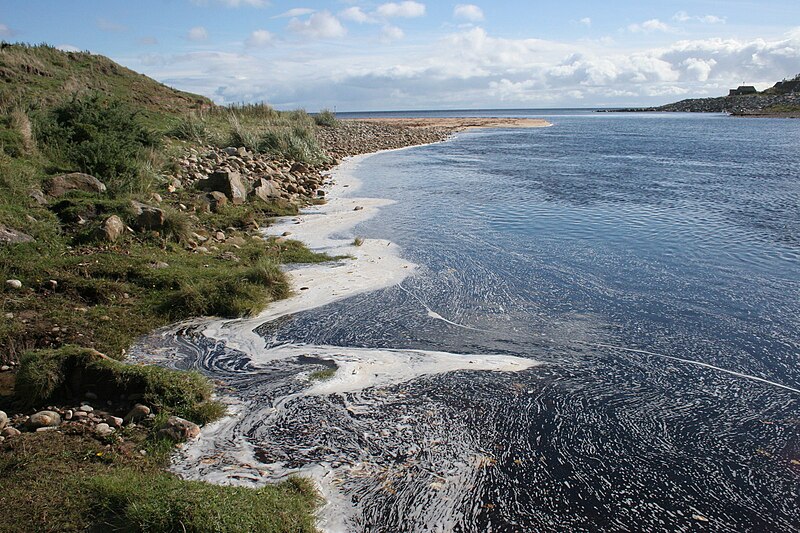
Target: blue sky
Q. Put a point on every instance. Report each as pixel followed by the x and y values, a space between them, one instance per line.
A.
pixel 363 55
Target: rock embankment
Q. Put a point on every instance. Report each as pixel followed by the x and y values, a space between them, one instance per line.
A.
pixel 757 104
pixel 355 137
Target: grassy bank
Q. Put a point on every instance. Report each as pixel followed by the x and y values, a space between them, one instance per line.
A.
pixel 97 265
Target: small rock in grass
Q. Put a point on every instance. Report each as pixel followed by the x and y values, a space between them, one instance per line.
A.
pixel 3 420
pixel 46 429
pixel 10 432
pixel 103 430
pixel 179 430
pixel 13 284
pixel 114 421
pixel 68 414
pixel 86 408
pixel 138 413
pixel 5 368
pixel 44 419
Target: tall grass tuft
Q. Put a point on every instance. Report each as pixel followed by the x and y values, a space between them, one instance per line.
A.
pixel 326 118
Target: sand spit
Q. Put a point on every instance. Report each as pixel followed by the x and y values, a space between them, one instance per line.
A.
pixel 461 124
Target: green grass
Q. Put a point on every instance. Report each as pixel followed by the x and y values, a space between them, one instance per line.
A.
pixel 66 374
pixel 50 482
pixel 327 118
pixel 322 375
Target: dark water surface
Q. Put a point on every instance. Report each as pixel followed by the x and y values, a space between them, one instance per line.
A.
pixel 625 252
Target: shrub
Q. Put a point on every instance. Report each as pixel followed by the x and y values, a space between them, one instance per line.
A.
pixel 326 118
pixel 192 127
pixel 101 137
pixel 177 226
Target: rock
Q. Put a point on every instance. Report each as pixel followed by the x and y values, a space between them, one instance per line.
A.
pixel 14 284
pixel 103 430
pixel 215 200
pixel 298 168
pixel 147 217
pixel 358 208
pixel 37 196
pixel 236 240
pixel 320 193
pixel 112 229
pixel 75 181
pixel 266 190
pixel 68 414
pixel 138 413
pixel 3 420
pixel 158 265
pixel 10 432
pixel 227 182
pixel 86 408
pixel 242 151
pixel 230 150
pixel 155 197
pixel 44 419
pixel 220 236
pixel 114 421
pixel 6 368
pixel 179 430
pixel 12 236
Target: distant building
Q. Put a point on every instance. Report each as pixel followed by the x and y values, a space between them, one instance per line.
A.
pixel 790 86
pixel 743 90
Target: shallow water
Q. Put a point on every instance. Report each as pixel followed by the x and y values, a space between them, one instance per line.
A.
pixel 650 262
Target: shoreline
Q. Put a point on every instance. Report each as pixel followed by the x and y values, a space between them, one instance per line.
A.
pixel 220 455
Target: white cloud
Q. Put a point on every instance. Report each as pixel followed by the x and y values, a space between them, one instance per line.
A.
pixel 408 9
pixel 198 33
pixel 355 14
pixel 391 33
pixel 683 16
pixel 585 21
pixel 296 12
pixel 5 31
pixel 649 26
pixel 259 38
pixel 469 12
pixel 68 48
pixel 472 68
pixel 148 41
pixel 321 25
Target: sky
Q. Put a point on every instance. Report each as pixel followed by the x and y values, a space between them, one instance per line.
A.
pixel 353 55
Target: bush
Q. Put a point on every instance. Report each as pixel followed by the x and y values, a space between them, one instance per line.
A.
pixel 326 118
pixel 101 137
pixel 192 127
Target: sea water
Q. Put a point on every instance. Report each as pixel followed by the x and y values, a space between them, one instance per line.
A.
pixel 649 264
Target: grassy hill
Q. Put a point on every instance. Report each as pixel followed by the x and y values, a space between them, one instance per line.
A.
pixel 71 293
pixel 41 76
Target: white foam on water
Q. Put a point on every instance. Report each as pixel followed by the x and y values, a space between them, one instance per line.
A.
pixel 222 454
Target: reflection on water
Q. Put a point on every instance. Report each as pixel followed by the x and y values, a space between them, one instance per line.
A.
pixel 623 253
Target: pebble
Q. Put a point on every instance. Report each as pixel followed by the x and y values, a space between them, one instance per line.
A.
pixel 5 368
pixel 114 421
pixel 13 284
pixel 68 414
pixel 3 420
pixel 139 412
pixel 86 408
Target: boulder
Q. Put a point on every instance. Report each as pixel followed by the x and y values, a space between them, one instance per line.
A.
pixel 75 181
pixel 12 236
pixel 227 182
pixel 147 216
pixel 44 419
pixel 3 420
pixel 179 430
pixel 137 414
pixel 266 190
pixel 112 229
